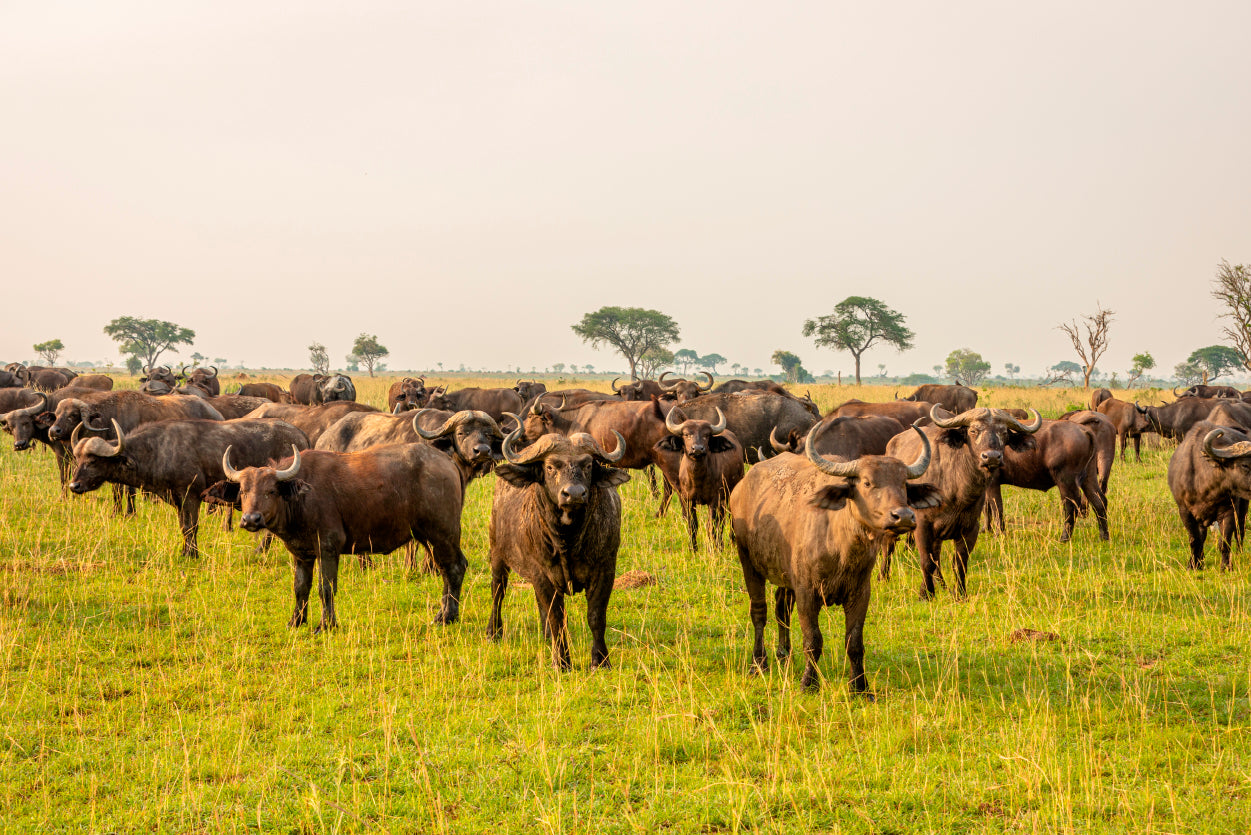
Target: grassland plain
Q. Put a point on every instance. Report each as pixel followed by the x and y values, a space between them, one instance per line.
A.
pixel 141 691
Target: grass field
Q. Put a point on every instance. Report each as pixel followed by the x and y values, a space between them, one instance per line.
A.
pixel 141 691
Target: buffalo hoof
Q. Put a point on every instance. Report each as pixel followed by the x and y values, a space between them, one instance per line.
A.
pixel 602 664
pixel 811 681
pixel 760 666
pixel 444 618
pixel 322 628
pixel 868 696
pixel 1065 537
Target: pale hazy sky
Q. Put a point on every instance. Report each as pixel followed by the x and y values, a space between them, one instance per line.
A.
pixel 466 179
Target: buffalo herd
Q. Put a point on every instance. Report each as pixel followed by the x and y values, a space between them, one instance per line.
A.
pixel 816 502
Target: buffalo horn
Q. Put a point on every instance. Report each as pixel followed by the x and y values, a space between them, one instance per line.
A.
pixel 661 381
pixel 719 426
pixel 214 367
pixel 38 408
pixel 231 472
pixel 1029 428
pixel 956 420
pixel 78 428
pixel 448 427
pixel 1175 394
pixel 778 446
pixel 290 472
pixel 918 467
pixel 614 385
pixel 584 440
pixel 846 469
pixel 1238 449
pixel 710 382
pixel 671 425
pixel 121 442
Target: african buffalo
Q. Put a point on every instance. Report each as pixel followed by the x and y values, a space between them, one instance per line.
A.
pixel 813 528
pixel 407 394
pixel 527 390
pixel 556 521
pixel 732 386
pixel 311 420
pixel 176 460
pixel 1232 413
pixel 1209 391
pixel 233 406
pixel 495 402
pixel 98 382
pixel 904 411
pixel 684 390
pixel 1105 442
pixel 967 450
pixel 1127 421
pixel 846 438
pixel 701 462
pixel 1098 396
pixel 753 415
pixel 1211 484
pixel 1173 420
pixel 638 389
pixel 316 389
pixel 202 379
pixel 323 504
pixel 955 399
pixel 269 391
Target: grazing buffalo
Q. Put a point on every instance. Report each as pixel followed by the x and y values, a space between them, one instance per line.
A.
pixel 904 411
pixel 407 394
pixel 732 386
pixel 1105 443
pixel 556 521
pixel 311 420
pixel 201 379
pixel 1098 396
pixel 955 399
pixel 1173 420
pixel 846 438
pixel 324 504
pixel 638 389
pixel 754 415
pixel 1063 455
pixel 316 389
pixel 684 390
pixel 1209 392
pixel 495 402
pixel 269 391
pixel 1128 422
pixel 701 462
pixel 1210 476
pixel 176 460
pixel 967 450
pixel 813 527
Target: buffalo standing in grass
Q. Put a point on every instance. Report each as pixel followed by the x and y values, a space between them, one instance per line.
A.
pixel 701 462
pixel 967 450
pixel 311 420
pixel 955 399
pixel 407 394
pixel 754 415
pixel 814 527
pixel 1210 477
pixel 556 521
pixel 1128 422
pixel 1173 420
pixel 1104 433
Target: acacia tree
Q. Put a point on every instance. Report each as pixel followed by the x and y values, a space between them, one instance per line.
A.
pixel 791 365
pixel 653 360
pixel 633 331
pixel 1143 363
pixel 148 338
pixel 319 358
pixel 856 325
pixel 1215 361
pixel 967 365
pixel 1232 287
pixel 685 358
pixel 49 351
pixel 1092 345
pixel 367 351
pixel 711 361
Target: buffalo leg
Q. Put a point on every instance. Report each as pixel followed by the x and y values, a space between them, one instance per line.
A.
pixel 927 552
pixel 759 609
pixel 1228 532
pixel 716 523
pixel 1069 498
pixel 964 544
pixel 499 587
pixel 597 594
pixel 690 514
pixel 1138 448
pixel 552 613
pixel 994 507
pixel 854 611
pixel 263 543
pixel 651 480
pixel 452 565
pixel 1095 497
pixel 665 496
pixel 808 607
pixel 327 585
pixel 883 569
pixel 302 566
pixel 783 603
pixel 1198 534
pixel 189 522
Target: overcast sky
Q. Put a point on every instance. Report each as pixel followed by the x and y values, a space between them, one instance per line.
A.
pixel 465 180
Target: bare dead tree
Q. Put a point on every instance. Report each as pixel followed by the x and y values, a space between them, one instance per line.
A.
pixel 1095 342
pixel 1232 287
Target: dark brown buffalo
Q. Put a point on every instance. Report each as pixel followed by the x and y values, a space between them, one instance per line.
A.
pixel 99 382
pixel 407 394
pixel 905 411
pixel 955 399
pixel 495 402
pixel 269 391
pixel 684 390
pixel 316 389
pixel 638 389
pixel 527 390
pixel 556 521
pixel 732 386
pixel 1173 420
pixel 1128 422
pixel 1105 443
pixel 754 415
pixel 1210 476
pixel 46 379
pixel 471 438
pixel 845 438
pixel 32 422
pixel 234 406
pixel 156 388
pixel 161 374
pixel 641 424
pixel 176 460
pixel 701 462
pixel 813 527
pixel 324 504
pixel 1210 391
pixel 1098 396
pixel 968 448
pixel 1232 413
pixel 130 409
pixel 20 398
pixel 311 420
pixel 569 398
pixel 1063 455
pixel 10 380
pixel 202 379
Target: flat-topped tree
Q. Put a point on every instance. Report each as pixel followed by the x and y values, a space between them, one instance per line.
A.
pixel 856 325
pixel 49 351
pixel 367 351
pixel 633 331
pixel 148 338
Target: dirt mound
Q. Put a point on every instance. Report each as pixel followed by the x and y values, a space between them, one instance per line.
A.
pixel 1032 635
pixel 635 579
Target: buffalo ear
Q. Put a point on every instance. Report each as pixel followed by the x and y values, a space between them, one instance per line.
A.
pixel 832 496
pixel 669 443
pixel 1019 442
pixel 294 488
pixel 921 496
pixel 954 438
pixel 610 476
pixel 719 444
pixel 45 419
pixel 223 492
pixel 519 475
pixel 443 444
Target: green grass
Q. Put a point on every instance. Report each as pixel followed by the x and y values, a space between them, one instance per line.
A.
pixel 143 691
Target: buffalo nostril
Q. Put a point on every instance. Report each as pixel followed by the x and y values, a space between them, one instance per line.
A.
pixel 574 492
pixel 904 514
